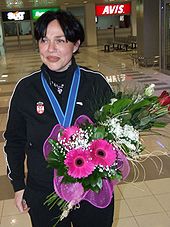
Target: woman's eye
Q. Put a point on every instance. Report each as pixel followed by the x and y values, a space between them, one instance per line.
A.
pixel 44 40
pixel 60 41
pixel 55 41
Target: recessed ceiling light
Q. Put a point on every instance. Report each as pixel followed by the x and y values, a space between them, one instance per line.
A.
pixel 4 75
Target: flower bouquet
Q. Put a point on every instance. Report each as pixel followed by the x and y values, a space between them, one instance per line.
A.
pixel 89 158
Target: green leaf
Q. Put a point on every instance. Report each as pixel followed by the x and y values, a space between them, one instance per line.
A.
pixel 159 124
pixel 99 183
pixel 100 116
pixel 118 175
pixel 68 179
pixel 145 120
pixel 99 132
pixel 139 105
pixel 120 105
pixel 93 180
pixel 126 118
pixel 55 156
pixel 143 113
pixel 110 136
pixel 106 108
pixel 52 142
pixel 61 170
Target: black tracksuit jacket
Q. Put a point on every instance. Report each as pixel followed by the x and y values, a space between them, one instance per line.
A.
pixel 27 130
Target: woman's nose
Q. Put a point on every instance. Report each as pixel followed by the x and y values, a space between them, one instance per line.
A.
pixel 51 46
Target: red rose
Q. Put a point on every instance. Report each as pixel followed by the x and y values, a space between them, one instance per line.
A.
pixel 163 94
pixel 164 98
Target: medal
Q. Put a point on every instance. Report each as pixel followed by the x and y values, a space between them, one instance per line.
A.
pixel 64 119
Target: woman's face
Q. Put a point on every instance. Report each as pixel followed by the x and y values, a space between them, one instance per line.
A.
pixel 55 51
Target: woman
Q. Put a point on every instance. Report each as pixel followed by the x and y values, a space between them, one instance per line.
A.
pixel 32 116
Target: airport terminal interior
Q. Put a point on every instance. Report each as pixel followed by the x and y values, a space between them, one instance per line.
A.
pixel 141 201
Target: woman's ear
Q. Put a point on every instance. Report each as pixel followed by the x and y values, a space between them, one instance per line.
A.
pixel 76 46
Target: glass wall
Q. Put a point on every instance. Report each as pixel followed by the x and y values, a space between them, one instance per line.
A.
pixel 117 21
pixel 18 34
pixel 165 36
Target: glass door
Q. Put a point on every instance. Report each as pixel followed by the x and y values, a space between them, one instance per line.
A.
pixel 18 34
pixel 11 38
pixel 25 34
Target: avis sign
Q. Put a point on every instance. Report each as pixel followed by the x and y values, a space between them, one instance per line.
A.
pixel 113 9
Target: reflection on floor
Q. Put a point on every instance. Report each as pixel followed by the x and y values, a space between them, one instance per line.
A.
pixel 144 203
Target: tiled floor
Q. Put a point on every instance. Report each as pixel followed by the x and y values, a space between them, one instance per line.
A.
pixel 146 202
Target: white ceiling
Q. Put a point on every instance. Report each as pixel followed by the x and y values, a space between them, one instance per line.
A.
pixel 16 4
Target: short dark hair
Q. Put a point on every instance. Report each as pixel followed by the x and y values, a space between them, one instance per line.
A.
pixel 70 25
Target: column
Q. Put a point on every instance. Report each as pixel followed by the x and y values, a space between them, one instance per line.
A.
pixel 90 24
pixel 147 28
pixel 133 17
pixel 1 38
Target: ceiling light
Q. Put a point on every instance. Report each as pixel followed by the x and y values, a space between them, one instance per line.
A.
pixel 14 3
pixel 4 75
pixel 2 81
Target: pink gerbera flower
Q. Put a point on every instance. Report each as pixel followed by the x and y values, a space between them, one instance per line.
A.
pixel 102 152
pixel 68 132
pixel 79 163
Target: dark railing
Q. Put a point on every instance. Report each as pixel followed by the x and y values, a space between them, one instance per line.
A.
pixel 121 43
pixel 145 61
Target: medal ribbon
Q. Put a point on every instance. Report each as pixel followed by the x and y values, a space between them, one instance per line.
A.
pixel 64 119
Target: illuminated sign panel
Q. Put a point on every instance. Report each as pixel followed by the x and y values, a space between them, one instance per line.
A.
pixel 36 13
pixel 16 15
pixel 113 9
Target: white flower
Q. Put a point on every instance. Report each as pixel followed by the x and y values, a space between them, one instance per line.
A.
pixel 128 144
pixel 112 101
pixel 131 133
pixel 149 90
pixel 118 130
pixel 114 122
pixel 79 139
pixel 115 127
pixel 100 170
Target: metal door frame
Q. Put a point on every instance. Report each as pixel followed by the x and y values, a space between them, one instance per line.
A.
pixel 162 32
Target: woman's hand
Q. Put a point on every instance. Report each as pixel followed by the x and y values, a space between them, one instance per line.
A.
pixel 20 202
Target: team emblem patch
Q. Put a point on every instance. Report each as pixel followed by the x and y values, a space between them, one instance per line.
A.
pixel 40 107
